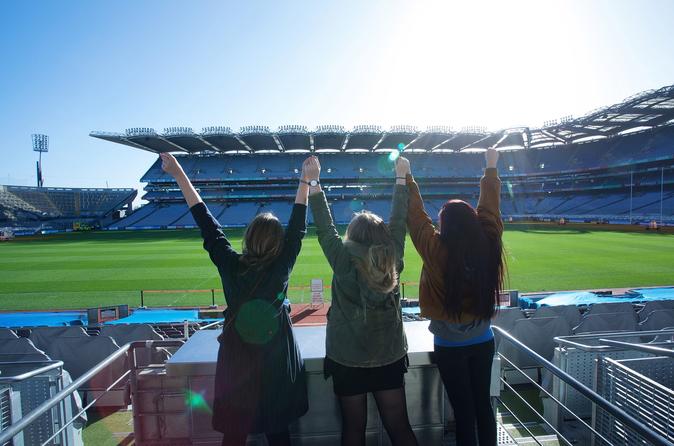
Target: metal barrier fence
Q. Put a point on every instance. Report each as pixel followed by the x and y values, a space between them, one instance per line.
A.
pixel 28 419
pixel 643 387
pixel 577 356
pixel 211 295
pixel 611 409
pixel 619 415
pixel 25 385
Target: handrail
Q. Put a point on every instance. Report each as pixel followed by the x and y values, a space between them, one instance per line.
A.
pixel 23 376
pixel 84 409
pixel 552 397
pixel 569 340
pixel 590 394
pixel 33 415
pixel 640 347
pixel 212 324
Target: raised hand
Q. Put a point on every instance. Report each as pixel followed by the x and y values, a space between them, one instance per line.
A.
pixel 402 167
pixel 491 155
pixel 170 164
pixel 311 169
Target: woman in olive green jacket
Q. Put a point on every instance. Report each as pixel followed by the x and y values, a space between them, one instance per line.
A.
pixel 366 347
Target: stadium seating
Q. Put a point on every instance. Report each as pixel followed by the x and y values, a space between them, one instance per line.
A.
pixel 587 182
pixel 569 312
pixel 18 346
pixel 537 334
pixel 606 322
pixel 80 354
pixel 612 307
pixel 59 208
pixel 657 320
pixel 505 318
pixel 123 334
pixel 6 333
pixel 44 336
pixel 23 357
pixel 653 305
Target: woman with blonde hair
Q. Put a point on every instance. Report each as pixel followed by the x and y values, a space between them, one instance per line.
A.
pixel 366 348
pixel 260 382
pixel 461 278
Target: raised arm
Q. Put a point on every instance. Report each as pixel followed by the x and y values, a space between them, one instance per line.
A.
pixel 420 225
pixel 328 237
pixel 398 221
pixel 488 206
pixel 215 242
pixel 297 225
pixel 171 166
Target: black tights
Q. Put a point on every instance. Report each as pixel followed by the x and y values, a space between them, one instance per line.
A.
pixel 392 407
pixel 278 439
pixel 466 374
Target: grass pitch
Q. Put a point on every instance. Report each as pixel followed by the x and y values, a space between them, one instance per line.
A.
pixel 81 270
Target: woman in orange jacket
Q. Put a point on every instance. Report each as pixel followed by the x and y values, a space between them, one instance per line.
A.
pixel 461 278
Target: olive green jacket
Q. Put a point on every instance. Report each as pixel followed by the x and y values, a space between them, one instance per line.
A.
pixel 365 327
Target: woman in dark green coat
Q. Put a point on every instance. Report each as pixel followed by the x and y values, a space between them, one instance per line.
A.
pixel 260 382
pixel 366 347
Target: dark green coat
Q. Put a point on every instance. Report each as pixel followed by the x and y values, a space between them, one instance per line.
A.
pixel 365 327
pixel 260 382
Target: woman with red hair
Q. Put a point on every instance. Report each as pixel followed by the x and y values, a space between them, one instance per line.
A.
pixel 461 278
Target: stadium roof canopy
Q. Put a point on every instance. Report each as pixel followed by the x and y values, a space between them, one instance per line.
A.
pixel 647 110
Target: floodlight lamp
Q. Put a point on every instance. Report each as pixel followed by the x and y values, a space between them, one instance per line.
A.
pixel 330 129
pixel 439 129
pixel 40 142
pixel 511 168
pixel 403 129
pixel 329 170
pixel 216 130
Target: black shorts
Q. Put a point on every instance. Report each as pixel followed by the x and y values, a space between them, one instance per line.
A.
pixel 350 381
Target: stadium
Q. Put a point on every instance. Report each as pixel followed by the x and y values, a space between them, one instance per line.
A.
pixel 588 204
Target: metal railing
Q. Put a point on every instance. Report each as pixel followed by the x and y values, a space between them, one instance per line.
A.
pixel 32 416
pixel 615 411
pixel 604 338
pixel 660 351
pixel 212 324
pixel 50 365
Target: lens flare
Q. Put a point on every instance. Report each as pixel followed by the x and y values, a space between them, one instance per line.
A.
pixel 393 155
pixel 385 164
pixel 356 205
pixel 256 322
pixel 196 402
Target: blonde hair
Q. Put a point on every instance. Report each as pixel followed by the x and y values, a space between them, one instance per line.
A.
pixel 262 241
pixel 379 266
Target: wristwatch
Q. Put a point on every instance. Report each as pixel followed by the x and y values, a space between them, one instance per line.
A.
pixel 312 183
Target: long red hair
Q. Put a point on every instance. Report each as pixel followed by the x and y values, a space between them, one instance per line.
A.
pixel 475 268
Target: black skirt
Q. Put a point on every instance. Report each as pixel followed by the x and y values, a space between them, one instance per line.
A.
pixel 350 381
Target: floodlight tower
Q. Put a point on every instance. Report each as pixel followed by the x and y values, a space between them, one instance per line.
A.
pixel 40 145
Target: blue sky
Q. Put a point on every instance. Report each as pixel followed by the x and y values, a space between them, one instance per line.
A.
pixel 72 67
